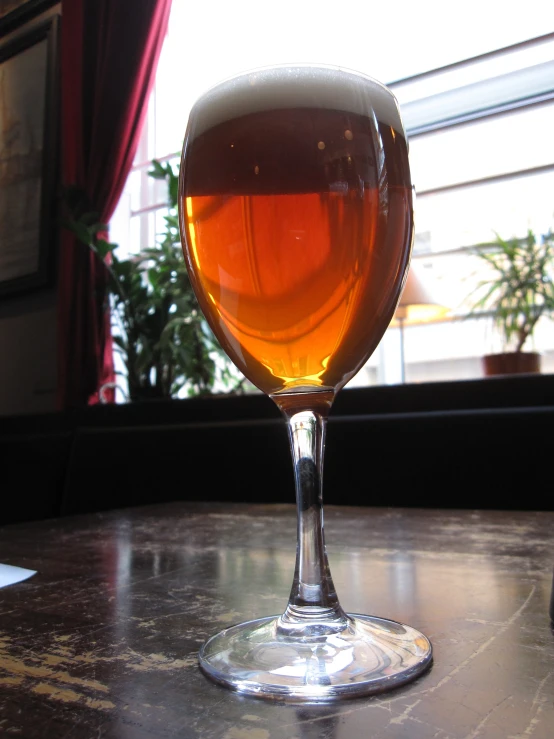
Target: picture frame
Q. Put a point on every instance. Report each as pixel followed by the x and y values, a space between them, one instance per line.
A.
pixel 29 153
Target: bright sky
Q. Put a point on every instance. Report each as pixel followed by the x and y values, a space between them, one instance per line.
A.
pixel 210 40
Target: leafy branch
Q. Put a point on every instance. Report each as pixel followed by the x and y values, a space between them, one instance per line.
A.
pixel 157 325
pixel 520 289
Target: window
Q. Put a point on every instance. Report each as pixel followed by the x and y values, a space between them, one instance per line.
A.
pixel 482 163
pixel 481 156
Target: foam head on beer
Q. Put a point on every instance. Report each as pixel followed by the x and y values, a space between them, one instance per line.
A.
pixel 299 86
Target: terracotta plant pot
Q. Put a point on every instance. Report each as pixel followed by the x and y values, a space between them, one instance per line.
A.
pixel 511 363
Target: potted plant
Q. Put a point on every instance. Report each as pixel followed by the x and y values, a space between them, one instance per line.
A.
pixel 517 293
pixel 158 329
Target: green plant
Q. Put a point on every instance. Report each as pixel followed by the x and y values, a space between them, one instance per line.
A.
pixel 520 289
pixel 157 325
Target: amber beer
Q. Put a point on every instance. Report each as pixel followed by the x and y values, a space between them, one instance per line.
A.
pixel 297 222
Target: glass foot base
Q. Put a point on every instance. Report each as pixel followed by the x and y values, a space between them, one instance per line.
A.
pixel 369 655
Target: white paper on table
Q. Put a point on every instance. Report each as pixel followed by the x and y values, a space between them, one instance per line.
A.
pixel 10 574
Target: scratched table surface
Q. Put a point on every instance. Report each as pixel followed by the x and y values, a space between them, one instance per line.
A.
pixel 103 640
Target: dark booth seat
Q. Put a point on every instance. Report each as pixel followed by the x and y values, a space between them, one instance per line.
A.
pixel 474 444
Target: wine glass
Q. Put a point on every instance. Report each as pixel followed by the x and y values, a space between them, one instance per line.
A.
pixel 295 205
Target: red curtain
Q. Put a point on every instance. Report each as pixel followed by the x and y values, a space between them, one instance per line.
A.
pixel 109 55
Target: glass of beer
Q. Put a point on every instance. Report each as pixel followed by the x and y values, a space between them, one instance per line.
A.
pixel 295 204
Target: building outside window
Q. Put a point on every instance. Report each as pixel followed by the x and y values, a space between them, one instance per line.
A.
pixel 478 108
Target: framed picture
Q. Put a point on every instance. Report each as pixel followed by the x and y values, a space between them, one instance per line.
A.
pixel 29 118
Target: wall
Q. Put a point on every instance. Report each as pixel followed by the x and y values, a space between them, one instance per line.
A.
pixel 28 353
pixel 27 322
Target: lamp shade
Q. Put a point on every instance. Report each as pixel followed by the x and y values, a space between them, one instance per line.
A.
pixel 417 303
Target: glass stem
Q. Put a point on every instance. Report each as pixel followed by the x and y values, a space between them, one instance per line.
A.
pixel 313 599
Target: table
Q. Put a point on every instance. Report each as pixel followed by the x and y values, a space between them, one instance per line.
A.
pixel 102 642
